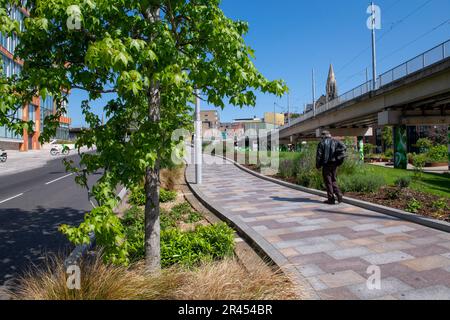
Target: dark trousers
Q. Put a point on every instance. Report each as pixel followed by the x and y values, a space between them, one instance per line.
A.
pixel 329 178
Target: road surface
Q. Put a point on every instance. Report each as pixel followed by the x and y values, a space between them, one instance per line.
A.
pixel 32 206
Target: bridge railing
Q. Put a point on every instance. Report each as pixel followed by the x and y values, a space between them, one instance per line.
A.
pixel 420 62
pixel 436 54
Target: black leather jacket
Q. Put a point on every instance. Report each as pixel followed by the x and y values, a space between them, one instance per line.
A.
pixel 326 152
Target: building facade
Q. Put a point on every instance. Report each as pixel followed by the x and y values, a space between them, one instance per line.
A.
pixel 210 119
pixel 278 119
pixel 37 110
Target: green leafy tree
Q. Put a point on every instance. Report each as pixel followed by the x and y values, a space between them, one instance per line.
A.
pixel 148 58
pixel 387 136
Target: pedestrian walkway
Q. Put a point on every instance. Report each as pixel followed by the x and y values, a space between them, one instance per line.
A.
pixel 332 247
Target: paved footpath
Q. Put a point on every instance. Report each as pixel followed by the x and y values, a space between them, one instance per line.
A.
pixel 332 247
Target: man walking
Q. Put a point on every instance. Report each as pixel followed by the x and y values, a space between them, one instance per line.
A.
pixel 330 155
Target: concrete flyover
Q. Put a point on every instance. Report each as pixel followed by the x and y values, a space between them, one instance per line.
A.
pixel 420 97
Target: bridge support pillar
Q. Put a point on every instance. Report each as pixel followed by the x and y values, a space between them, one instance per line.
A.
pixel 361 148
pixel 400 147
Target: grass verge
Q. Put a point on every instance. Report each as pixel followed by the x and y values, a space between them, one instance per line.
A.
pixel 221 280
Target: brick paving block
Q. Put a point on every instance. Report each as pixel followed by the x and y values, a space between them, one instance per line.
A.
pixel 444 235
pixel 424 233
pixel 289 231
pixel 386 298
pixel 341 279
pixel 436 276
pixel 314 258
pixel 356 242
pixel 260 228
pixel 349 253
pixel 427 263
pixel 289 252
pixel 344 223
pixel 362 234
pixel 300 214
pixel 391 246
pixel 316 248
pixel 273 239
pixel 315 221
pixel 289 244
pixel 424 251
pixel 425 241
pixel 315 241
pixel 392 237
pixel 356 264
pixel 396 229
pixel 387 257
pixel 430 293
pixel 367 226
pixel 310 270
pixel 444 244
pixel 317 284
pixel 336 237
pixel 339 294
pixel 389 286
pixel 293 219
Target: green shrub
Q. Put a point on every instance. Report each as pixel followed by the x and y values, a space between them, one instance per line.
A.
pixel 194 217
pixel 424 144
pixel 287 169
pixel 137 196
pixel 210 242
pixel 362 183
pixel 438 154
pixel 351 165
pixel 440 205
pixel 393 194
pixel 403 182
pixel 389 154
pixel 191 248
pixel 311 179
pixel 167 196
pixel 413 206
pixel 133 215
pixel 368 149
pixel 419 161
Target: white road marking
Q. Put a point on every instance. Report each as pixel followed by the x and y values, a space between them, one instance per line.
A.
pixel 16 196
pixel 60 178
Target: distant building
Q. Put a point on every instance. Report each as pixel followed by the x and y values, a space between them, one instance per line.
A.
pixel 331 92
pixel 38 109
pixel 210 119
pixel 278 119
pixel 252 126
pixel 232 130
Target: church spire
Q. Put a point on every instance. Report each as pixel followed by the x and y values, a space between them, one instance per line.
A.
pixel 332 92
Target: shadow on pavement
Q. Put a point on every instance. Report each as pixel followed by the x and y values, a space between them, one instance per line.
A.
pixel 27 236
pixel 299 200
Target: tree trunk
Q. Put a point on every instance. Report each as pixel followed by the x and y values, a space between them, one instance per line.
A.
pixel 152 181
pixel 152 184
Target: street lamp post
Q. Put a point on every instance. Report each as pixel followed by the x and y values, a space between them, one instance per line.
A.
pixel 374 52
pixel 198 141
pixel 314 92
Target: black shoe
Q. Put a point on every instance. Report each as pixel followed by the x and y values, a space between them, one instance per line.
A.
pixel 340 198
pixel 330 202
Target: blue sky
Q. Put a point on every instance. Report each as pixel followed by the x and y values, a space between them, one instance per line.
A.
pixel 291 37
